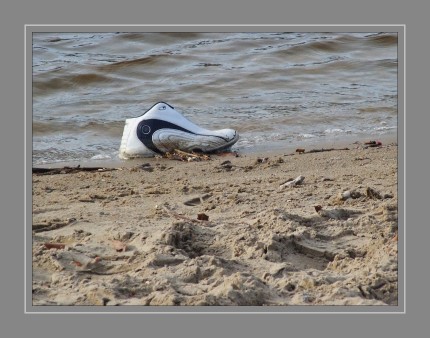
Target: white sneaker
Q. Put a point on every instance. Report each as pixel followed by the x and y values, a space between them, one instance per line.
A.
pixel 162 129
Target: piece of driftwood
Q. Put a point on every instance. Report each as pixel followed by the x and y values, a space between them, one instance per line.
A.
pixel 68 170
pixel 324 149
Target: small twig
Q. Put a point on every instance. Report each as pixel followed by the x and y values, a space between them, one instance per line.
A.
pixel 178 216
pixel 184 153
pixel 302 151
pixel 362 291
pixel 105 273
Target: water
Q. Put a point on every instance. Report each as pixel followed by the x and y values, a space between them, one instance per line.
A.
pixel 279 90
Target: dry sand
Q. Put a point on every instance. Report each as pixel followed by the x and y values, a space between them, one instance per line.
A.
pixel 131 236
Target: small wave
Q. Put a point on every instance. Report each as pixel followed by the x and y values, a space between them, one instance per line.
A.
pixel 337 131
pixel 377 109
pixel 59 83
pixel 101 157
pixel 209 65
pixel 325 46
pixel 383 39
pixel 383 128
pixel 43 128
pixel 108 128
pixel 306 136
pixel 147 60
pixel 90 78
pixel 156 37
pixel 332 45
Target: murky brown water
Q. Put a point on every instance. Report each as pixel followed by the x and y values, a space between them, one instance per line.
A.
pixel 277 89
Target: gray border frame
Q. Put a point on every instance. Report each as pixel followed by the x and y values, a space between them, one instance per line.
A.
pixel 400 29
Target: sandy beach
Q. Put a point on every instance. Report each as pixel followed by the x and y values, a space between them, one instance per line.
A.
pixel 274 229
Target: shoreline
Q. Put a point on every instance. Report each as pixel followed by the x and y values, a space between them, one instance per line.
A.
pixel 135 235
pixel 271 149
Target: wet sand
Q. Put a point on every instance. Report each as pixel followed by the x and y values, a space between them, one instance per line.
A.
pixel 131 235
